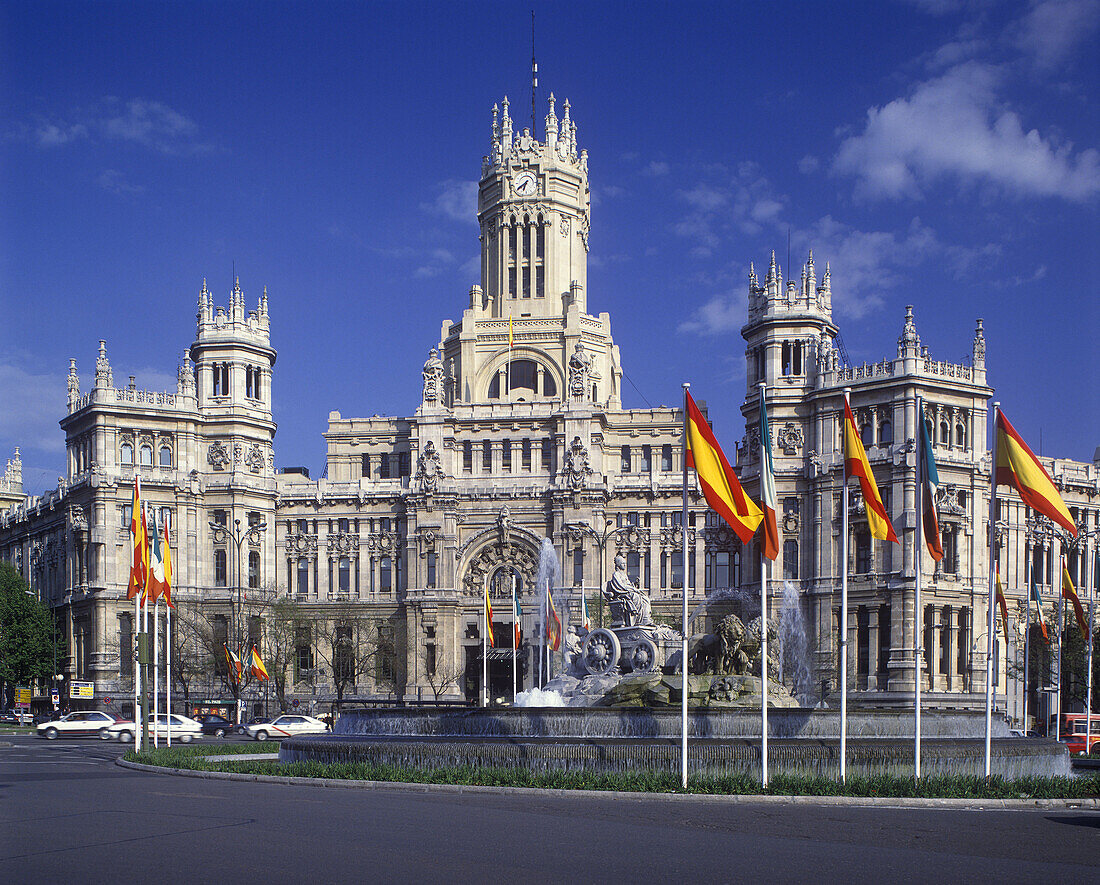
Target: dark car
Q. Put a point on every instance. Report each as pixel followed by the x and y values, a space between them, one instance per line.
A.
pixel 216 725
pixel 255 720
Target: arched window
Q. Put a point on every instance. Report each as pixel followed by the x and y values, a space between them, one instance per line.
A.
pixel 885 433
pixel 867 435
pixel 960 435
pixel 165 456
pixel 145 456
pixel 253 569
pixel 945 434
pixel 126 455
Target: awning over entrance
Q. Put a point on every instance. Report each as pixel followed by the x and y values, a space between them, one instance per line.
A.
pixel 498 654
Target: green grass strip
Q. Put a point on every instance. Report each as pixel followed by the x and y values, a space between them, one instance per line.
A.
pixel 884 786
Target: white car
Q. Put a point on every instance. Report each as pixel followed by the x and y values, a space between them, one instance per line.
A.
pixel 82 723
pixel 287 725
pixel 182 728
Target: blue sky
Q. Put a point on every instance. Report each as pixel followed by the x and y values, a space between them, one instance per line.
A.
pixel 936 153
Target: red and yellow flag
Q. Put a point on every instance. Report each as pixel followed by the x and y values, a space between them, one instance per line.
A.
pixel 1002 605
pixel 1071 595
pixel 719 483
pixel 768 500
pixel 488 618
pixel 166 555
pixel 139 568
pixel 856 464
pixel 553 622
pixel 259 671
pixel 1018 467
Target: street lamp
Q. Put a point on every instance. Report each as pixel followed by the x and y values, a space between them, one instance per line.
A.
pixel 222 533
pixel 601 542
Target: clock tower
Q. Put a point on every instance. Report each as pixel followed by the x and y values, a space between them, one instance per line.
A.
pixel 533 208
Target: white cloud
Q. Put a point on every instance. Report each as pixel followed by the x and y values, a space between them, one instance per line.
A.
pixel 808 164
pixel 656 168
pixel 718 316
pixel 1052 29
pixel 954 127
pixel 151 124
pixel 30 407
pixel 456 200
pixel 114 181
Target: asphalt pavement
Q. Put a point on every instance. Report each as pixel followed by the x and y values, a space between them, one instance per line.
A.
pixel 68 813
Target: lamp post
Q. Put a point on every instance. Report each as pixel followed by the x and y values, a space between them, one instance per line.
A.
pixel 237 536
pixel 610 528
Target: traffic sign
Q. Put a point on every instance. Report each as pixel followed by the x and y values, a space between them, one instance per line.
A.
pixel 294 703
pixel 82 690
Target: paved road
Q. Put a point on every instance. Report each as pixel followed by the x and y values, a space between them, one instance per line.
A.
pixel 67 813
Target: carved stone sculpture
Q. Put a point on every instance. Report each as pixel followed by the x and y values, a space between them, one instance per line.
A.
pixel 433 378
pixel 577 467
pixel 629 606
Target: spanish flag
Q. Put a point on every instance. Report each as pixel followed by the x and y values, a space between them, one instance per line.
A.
pixel 259 671
pixel 1039 607
pixel 767 485
pixel 855 464
pixel 1071 596
pixel 719 483
pixel 516 616
pixel 1018 467
pixel 510 340
pixel 155 584
pixel 139 567
pixel 1002 605
pixel 553 622
pixel 488 618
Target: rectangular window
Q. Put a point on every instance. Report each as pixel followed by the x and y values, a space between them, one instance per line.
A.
pixel 677 569
pixel 343 526
pixel 624 459
pixel 303 577
pixel 385 577
pixel 384 466
pixel 486 456
pixel 666 458
pixel 402 464
pixel 431 568
pixel 863 553
pixel 633 566
pixel 221 517
pixel 303 526
pixel 722 568
pixel 345 574
pixel 547 454
pixel 647 459
pixel 364 465
pixel 526 453
pixel 790 559
pixel 506 454
pixel 468 456
pixel 646 566
pixel 219 568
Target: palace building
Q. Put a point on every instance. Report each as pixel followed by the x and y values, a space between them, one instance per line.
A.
pixel 520 436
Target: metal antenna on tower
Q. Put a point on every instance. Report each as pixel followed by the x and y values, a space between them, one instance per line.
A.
pixel 534 76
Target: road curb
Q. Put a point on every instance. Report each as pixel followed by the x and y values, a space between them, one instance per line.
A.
pixel 708 798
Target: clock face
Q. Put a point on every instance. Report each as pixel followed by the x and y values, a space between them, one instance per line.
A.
pixel 525 184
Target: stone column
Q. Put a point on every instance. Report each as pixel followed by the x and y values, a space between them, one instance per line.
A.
pixel 932 636
pixel 952 628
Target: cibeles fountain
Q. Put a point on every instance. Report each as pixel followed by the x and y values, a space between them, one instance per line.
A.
pixel 615 705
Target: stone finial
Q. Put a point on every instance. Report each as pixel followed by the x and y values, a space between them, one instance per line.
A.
pixel 909 341
pixel 551 119
pixel 103 374
pixel 263 302
pixel 752 276
pixel 811 277
pixel 74 384
pixel 827 280
pixel 979 346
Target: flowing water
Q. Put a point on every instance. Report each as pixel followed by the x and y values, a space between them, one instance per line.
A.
pixel 794 646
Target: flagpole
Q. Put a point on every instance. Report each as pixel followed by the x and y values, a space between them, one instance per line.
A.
pixel 844 606
pixel 1089 579
pixel 990 600
pixel 485 655
pixel 168 660
pixel 1027 637
pixel 515 641
pixel 684 582
pixel 156 669
pixel 764 465
pixel 1062 633
pixel 917 535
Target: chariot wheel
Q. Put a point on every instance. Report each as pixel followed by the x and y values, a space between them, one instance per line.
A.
pixel 644 657
pixel 601 651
